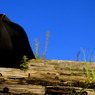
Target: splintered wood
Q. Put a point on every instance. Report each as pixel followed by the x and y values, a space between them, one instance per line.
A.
pixel 48 77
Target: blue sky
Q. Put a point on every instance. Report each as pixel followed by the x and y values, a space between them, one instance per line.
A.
pixel 71 24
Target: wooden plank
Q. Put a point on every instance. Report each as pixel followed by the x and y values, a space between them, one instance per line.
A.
pixel 61 90
pixel 18 89
pixel 46 73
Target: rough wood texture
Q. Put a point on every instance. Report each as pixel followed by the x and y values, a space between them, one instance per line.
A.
pixel 48 76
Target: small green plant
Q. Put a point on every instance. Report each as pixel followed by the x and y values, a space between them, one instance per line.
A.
pixel 81 92
pixel 37 48
pixel 90 59
pixel 78 56
pixel 89 75
pixel 87 55
pixel 24 65
pixel 45 48
pixel 87 70
pixel 46 45
pixel 73 73
pixel 93 75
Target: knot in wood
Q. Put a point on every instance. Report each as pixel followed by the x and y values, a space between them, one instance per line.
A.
pixel 5 89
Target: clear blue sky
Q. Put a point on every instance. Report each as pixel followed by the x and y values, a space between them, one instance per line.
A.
pixel 71 24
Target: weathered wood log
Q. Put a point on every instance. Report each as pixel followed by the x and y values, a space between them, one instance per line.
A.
pixel 59 90
pixel 44 73
pixel 66 90
pixel 19 89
